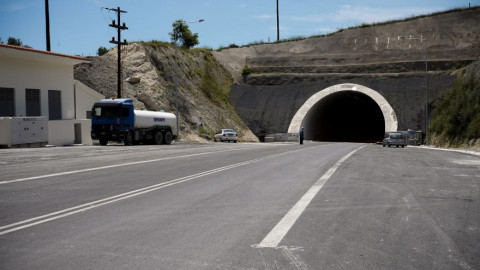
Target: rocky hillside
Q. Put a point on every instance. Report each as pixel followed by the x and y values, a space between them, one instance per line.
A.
pixel 446 35
pixel 149 79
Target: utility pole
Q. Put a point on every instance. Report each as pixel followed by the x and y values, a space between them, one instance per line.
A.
pixel 278 24
pixel 47 24
pixel 119 44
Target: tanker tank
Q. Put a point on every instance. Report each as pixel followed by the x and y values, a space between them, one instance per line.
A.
pixel 148 119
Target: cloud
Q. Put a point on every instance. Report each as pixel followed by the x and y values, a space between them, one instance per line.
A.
pixel 325 30
pixel 308 18
pixel 371 14
pixel 14 7
pixel 264 16
pixel 282 28
pixel 97 3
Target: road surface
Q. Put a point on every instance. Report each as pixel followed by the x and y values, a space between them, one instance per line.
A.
pixel 239 206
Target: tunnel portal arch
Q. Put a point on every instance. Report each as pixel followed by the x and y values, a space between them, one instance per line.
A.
pixel 345 112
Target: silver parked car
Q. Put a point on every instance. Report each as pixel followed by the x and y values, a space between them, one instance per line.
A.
pixel 394 138
pixel 226 135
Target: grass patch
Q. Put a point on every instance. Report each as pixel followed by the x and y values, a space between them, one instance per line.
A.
pixel 157 44
pixel 216 88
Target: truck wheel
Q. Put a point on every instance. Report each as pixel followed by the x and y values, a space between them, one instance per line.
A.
pixel 158 137
pixel 103 141
pixel 128 139
pixel 168 137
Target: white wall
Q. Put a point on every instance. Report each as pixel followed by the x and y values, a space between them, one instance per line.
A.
pixel 85 98
pixel 22 74
pixel 64 132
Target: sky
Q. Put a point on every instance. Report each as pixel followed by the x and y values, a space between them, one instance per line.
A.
pixel 80 27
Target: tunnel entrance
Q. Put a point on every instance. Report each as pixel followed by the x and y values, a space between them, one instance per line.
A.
pixel 345 116
pixel 345 113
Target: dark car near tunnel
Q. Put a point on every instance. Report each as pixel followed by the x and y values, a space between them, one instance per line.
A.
pixel 394 138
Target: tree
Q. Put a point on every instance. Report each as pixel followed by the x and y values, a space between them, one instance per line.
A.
pixel 14 41
pixel 182 33
pixel 101 51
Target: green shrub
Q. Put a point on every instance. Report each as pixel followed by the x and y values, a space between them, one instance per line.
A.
pixel 101 51
pixel 456 120
pixel 246 70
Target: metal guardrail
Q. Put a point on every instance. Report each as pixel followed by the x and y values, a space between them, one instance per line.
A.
pixel 411 137
pixel 282 137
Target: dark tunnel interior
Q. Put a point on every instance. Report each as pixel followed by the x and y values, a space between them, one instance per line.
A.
pixel 345 116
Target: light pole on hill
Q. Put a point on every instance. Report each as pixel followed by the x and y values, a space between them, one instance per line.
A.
pixel 278 24
pixel 176 77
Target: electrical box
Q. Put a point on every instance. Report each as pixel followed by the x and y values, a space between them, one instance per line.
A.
pixel 23 130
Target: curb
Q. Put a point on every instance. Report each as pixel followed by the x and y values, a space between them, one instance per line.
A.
pixel 470 152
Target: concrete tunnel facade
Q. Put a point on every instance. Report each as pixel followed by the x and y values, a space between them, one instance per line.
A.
pixel 345 112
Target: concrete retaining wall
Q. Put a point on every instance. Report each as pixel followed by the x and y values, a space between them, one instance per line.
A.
pixel 267 103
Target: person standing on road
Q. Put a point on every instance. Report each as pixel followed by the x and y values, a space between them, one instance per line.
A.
pixel 301 135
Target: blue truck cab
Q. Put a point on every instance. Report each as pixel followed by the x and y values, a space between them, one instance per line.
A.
pixel 112 119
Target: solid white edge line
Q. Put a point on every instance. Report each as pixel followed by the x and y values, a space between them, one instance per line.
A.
pixel 276 235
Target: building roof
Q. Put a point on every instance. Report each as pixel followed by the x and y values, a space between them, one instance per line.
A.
pixel 76 59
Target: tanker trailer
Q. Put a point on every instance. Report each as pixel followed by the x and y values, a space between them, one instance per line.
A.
pixel 116 120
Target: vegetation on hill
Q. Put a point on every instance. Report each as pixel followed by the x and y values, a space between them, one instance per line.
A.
pixel 456 119
pixel 181 33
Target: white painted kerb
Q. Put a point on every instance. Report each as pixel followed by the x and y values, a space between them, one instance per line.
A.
pixel 391 122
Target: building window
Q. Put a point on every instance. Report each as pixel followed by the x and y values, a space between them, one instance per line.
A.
pixel 7 102
pixel 54 105
pixel 32 100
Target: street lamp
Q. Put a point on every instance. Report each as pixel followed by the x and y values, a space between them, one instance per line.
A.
pixel 176 79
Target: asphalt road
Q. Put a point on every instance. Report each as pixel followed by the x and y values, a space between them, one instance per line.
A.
pixel 239 206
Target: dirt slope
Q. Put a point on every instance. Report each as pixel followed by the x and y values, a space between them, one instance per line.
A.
pixel 149 79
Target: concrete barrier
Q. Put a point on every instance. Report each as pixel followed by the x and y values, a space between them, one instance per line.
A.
pixel 282 137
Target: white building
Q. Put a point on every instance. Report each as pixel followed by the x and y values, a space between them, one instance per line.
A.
pixel 40 102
